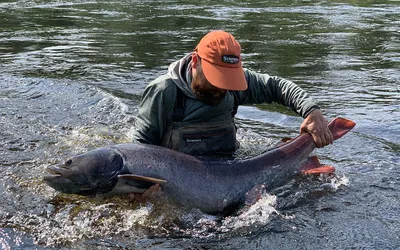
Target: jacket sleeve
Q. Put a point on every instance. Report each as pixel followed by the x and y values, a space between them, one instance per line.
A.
pixel 152 118
pixel 264 88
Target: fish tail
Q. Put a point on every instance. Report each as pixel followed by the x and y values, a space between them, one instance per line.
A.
pixel 340 126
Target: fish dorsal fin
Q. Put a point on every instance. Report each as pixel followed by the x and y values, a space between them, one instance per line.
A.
pixel 141 178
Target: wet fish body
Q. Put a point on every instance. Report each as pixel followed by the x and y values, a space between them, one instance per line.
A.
pixel 212 185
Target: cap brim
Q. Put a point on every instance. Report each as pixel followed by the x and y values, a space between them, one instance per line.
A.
pixel 224 77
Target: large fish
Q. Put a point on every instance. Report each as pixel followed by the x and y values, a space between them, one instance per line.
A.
pixel 211 185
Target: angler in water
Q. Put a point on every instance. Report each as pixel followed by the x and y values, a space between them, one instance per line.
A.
pixel 210 185
pixel 191 109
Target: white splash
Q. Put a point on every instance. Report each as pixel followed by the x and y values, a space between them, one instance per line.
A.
pixel 334 183
pixel 257 214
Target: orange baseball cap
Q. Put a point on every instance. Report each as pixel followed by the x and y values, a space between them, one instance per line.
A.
pixel 221 61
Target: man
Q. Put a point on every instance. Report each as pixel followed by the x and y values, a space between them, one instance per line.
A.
pixel 191 109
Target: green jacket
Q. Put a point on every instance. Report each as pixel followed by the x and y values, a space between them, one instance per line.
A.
pixel 158 100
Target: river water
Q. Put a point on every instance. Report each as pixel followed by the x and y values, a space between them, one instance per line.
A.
pixel 71 76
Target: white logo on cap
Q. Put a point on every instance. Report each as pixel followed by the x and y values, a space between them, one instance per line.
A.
pixel 231 59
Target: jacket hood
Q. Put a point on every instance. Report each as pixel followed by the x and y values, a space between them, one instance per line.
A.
pixel 181 74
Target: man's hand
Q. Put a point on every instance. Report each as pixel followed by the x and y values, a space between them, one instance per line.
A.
pixel 317 126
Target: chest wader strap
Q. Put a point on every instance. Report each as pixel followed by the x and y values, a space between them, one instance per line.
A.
pixel 177 116
pixel 236 104
pixel 179 108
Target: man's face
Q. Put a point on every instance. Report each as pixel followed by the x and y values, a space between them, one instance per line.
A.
pixel 204 90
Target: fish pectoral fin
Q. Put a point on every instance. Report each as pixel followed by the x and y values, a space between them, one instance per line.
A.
pixel 313 166
pixel 254 194
pixel 141 178
pixel 130 183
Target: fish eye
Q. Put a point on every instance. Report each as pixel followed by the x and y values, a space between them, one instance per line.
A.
pixel 68 162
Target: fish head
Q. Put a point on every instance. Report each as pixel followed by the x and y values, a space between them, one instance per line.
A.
pixel 94 172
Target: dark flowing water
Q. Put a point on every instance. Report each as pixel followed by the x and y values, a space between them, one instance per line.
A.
pixel 71 77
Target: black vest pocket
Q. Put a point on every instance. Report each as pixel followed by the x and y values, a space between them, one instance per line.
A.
pixel 205 139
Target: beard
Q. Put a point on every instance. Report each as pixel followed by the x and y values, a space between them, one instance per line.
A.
pixel 212 98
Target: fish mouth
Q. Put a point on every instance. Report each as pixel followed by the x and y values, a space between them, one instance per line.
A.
pixel 52 172
pixel 56 171
pixel 58 177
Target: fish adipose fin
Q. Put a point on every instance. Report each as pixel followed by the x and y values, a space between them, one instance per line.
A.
pixel 284 141
pixel 313 166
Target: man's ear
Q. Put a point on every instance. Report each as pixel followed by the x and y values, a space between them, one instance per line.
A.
pixel 195 59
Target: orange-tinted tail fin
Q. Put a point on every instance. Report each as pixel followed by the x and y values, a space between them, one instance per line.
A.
pixel 340 126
